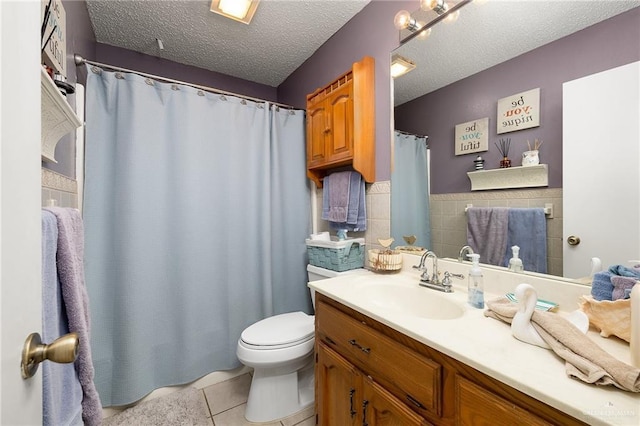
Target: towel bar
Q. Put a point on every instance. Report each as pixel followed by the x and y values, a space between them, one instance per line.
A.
pixel 548 209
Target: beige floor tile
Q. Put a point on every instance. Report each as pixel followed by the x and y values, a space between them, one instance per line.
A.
pixel 300 418
pixel 203 400
pixel 311 421
pixel 235 417
pixel 228 394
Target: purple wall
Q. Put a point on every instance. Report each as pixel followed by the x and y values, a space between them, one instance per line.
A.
pixel 369 33
pixel 136 61
pixel 81 40
pixel 606 45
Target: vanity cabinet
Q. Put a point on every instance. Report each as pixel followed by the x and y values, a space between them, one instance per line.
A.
pixel 476 406
pixel 349 397
pixel 341 124
pixel 362 363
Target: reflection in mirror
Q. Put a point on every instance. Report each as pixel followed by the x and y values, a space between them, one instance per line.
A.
pixel 463 69
pixel 410 200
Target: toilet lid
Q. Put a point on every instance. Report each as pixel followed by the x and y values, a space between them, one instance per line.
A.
pixel 280 330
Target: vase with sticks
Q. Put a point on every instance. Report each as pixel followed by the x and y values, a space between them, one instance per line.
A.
pixel 503 148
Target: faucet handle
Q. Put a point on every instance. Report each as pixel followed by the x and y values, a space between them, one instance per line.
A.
pixel 448 275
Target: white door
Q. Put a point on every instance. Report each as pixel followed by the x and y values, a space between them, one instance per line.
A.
pixel 600 172
pixel 20 222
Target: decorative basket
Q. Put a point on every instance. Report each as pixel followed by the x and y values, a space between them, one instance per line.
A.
pixel 338 256
pixel 385 260
pixel 610 317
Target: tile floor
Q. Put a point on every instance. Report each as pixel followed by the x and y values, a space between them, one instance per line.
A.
pixel 227 400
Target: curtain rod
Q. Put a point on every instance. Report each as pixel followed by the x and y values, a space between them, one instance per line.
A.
pixel 412 134
pixel 79 60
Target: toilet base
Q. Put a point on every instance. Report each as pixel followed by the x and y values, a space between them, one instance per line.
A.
pixel 274 395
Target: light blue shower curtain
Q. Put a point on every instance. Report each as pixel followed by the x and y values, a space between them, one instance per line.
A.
pixel 410 190
pixel 196 209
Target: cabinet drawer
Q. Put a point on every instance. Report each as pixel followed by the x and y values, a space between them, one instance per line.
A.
pixel 411 377
pixel 476 406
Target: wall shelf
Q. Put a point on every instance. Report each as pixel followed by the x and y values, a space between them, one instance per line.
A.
pixel 511 177
pixel 58 118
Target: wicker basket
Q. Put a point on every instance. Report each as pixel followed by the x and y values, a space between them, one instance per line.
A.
pixel 385 260
pixel 338 256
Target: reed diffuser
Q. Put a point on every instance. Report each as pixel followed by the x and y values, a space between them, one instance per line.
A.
pixel 503 148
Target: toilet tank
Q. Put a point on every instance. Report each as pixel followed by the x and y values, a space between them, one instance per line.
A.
pixel 317 273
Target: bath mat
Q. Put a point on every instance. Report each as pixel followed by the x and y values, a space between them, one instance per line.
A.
pixel 183 408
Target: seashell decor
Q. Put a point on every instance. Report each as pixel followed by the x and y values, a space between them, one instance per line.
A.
pixel 612 318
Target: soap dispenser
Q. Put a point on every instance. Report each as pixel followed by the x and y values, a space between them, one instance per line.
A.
pixel 475 295
pixel 515 263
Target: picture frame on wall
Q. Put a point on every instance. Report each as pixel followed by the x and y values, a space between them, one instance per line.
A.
pixel 53 35
pixel 518 112
pixel 472 136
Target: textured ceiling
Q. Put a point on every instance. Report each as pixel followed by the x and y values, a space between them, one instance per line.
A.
pixel 490 32
pixel 281 36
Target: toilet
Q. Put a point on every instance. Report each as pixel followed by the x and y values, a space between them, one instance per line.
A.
pixel 280 351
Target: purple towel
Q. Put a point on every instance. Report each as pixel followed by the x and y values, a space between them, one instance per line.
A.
pixel 620 285
pixel 70 258
pixel 487 232
pixel 61 389
pixel 336 190
pixel 357 207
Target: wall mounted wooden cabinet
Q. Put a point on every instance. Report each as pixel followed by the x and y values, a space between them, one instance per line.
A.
pixel 369 373
pixel 341 124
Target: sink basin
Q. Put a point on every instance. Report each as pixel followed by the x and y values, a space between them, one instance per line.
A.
pixel 412 301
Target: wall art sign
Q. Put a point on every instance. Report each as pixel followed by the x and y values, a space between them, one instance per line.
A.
pixel 472 136
pixel 519 111
pixel 54 35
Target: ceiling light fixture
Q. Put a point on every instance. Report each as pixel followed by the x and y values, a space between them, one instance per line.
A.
pixel 400 66
pixel 238 10
pixel 432 11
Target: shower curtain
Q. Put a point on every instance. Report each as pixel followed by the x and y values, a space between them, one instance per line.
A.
pixel 410 190
pixel 196 209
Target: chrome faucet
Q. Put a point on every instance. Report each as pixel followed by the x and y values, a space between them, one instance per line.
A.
pixel 422 267
pixel 435 279
pixel 464 250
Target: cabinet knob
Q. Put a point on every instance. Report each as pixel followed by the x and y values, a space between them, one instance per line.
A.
pixel 327 130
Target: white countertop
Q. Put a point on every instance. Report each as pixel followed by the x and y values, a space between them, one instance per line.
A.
pixel 487 344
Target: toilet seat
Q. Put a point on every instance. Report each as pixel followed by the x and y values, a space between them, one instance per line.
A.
pixel 280 331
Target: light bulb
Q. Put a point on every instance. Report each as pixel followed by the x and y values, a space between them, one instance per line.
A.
pixel 438 6
pixel 402 20
pixel 424 33
pixel 452 17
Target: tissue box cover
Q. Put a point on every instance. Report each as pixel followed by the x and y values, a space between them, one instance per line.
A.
pixel 336 255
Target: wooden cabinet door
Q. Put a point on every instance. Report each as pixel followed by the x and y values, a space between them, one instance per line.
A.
pixel 380 408
pixel 317 130
pixel 338 389
pixel 340 116
pixel 476 406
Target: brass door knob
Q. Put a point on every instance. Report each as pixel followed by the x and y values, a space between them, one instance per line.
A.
pixel 63 350
pixel 573 240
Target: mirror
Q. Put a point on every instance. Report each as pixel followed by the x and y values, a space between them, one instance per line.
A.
pixel 488 34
